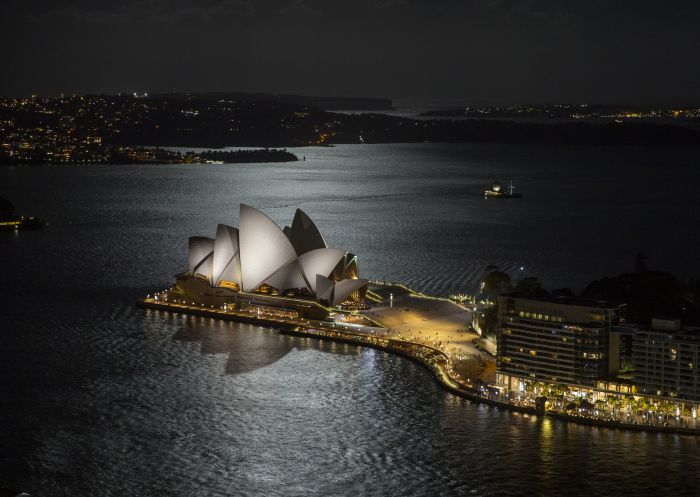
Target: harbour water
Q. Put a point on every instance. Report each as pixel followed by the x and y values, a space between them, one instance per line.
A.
pixel 102 399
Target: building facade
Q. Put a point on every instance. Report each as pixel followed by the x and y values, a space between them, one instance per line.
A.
pixel 666 359
pixel 562 340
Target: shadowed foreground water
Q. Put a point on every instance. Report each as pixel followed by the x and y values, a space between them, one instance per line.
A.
pixel 101 399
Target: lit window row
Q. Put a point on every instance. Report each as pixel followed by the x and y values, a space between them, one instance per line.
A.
pixel 541 317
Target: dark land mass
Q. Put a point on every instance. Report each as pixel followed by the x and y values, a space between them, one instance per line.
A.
pixel 323 103
pixel 9 221
pixel 84 129
pixel 650 294
pixel 571 111
pixel 647 294
pixel 138 155
pixel 143 155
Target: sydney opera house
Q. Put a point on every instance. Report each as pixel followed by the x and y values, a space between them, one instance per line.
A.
pixel 259 263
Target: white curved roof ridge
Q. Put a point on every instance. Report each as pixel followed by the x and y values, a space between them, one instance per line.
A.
pixel 226 261
pixel 287 277
pixel 200 250
pixel 344 288
pixel 264 248
pixel 351 269
pixel 319 261
pixel 304 234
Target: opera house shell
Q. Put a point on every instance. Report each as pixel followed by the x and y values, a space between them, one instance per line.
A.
pixel 259 257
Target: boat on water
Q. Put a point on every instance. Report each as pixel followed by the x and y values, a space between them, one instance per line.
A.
pixel 21 223
pixel 496 191
pixel 10 222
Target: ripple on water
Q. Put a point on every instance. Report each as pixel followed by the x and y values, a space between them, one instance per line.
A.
pixel 102 399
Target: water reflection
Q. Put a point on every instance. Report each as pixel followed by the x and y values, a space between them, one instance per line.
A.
pixel 248 347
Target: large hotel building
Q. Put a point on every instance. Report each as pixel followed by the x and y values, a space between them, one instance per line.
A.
pixel 562 340
pixel 665 360
pixel 581 343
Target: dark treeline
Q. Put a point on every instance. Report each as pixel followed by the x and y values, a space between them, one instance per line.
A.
pixel 648 293
pixel 325 103
pixel 243 156
pixel 382 129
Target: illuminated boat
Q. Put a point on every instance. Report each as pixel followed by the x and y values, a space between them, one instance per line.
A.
pixel 10 222
pixel 496 191
pixel 20 223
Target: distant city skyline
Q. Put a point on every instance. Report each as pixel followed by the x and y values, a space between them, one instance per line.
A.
pixel 480 51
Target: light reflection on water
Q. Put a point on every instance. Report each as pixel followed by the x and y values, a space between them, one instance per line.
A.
pixel 100 398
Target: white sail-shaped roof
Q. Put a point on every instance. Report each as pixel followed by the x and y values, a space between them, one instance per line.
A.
pixel 200 255
pixel 344 288
pixel 304 234
pixel 324 288
pixel 260 252
pixel 226 265
pixel 287 277
pixel 319 261
pixel 264 248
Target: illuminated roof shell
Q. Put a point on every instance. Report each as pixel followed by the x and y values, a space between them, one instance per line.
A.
pixel 200 255
pixel 304 234
pixel 264 248
pixel 226 263
pixel 259 252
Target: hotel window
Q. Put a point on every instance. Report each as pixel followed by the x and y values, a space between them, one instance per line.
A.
pixel 533 352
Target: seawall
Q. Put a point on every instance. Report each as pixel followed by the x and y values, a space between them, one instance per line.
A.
pixel 431 358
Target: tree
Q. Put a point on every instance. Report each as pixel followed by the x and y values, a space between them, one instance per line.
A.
pixel 488 321
pixel 529 287
pixel 495 283
pixel 615 403
pixel 666 409
pixel 640 263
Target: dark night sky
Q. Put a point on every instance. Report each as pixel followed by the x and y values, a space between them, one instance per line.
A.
pixel 491 51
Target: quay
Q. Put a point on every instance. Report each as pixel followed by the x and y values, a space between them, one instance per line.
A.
pixel 429 356
pixel 434 359
pixel 290 279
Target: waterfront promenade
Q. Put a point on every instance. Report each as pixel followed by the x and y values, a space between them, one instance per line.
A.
pixel 432 331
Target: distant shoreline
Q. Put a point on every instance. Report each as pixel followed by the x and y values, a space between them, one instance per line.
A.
pixel 156 155
pixel 435 360
pixel 115 129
